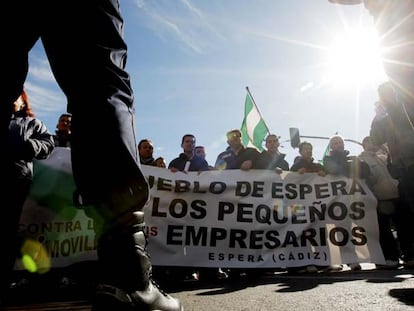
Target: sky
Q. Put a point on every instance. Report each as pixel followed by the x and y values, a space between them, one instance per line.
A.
pixel 308 64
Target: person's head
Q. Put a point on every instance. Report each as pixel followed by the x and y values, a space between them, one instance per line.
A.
pixel 188 143
pixel 64 123
pixel 306 150
pixel 200 151
pixel 336 143
pixel 368 145
pixel 22 105
pixel 272 143
pixel 234 138
pixel 160 162
pixel 145 148
pixel 386 93
pixel 375 7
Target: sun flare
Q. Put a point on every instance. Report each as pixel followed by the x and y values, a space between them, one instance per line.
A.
pixel 354 58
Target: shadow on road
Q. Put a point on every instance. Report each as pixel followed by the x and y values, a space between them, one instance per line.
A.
pixel 287 283
pixel 48 288
pixel 404 295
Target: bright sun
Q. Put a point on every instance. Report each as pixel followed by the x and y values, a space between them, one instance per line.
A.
pixel 354 58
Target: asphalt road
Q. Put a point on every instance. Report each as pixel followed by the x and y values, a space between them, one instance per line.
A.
pixel 368 289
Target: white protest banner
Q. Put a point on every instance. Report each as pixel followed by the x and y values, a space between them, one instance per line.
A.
pixel 50 218
pixel 253 219
pixel 222 219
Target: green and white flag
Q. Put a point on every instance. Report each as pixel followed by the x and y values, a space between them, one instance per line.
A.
pixel 254 129
pixel 326 153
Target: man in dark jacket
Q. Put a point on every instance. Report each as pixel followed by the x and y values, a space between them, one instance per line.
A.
pixel 272 158
pixel 187 160
pixel 339 162
pixel 237 156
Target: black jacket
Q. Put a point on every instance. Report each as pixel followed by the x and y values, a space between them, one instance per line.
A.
pixel 28 139
pixel 341 164
pixel 271 162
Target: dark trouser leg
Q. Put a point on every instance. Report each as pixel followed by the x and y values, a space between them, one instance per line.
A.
pixel 13 198
pixel 403 220
pixel 387 240
pixel 13 193
pixel 407 187
pixel 87 53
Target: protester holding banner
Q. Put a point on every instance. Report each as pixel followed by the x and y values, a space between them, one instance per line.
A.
pixel 339 162
pixel 188 160
pixel 145 151
pixel 305 162
pixel 236 156
pixel 201 152
pixel 27 139
pixel 272 158
pixel 84 43
pixel 389 207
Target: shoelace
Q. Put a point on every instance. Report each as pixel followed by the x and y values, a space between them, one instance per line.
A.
pixel 157 285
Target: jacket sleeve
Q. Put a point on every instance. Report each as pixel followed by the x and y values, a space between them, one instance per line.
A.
pixel 40 144
pixel 379 127
pixel 331 167
pixel 284 165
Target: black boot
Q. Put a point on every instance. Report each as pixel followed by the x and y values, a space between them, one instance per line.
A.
pixel 127 273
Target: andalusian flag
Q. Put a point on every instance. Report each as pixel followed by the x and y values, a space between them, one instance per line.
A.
pixel 254 129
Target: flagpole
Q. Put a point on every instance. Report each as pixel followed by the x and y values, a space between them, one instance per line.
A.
pixel 254 103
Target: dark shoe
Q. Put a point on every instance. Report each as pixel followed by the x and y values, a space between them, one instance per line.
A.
pixel 303 270
pixel 193 276
pixel 212 274
pixel 126 272
pixel 67 282
pixel 408 264
pixel 333 268
pixel 221 274
pixel 22 283
pixel 355 267
pixel 109 297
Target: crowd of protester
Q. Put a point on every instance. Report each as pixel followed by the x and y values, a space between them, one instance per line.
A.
pixel 379 164
pixel 386 164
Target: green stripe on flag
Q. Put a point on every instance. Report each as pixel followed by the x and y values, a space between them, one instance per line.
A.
pixel 254 129
pixel 326 153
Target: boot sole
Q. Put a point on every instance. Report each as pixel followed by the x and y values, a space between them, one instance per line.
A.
pixel 104 302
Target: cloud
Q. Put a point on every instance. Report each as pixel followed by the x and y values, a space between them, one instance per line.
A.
pixel 181 21
pixel 44 94
pixel 44 100
pixel 306 87
pixel 40 70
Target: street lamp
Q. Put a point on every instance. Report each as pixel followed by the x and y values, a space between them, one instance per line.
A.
pixel 295 137
pixel 350 2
